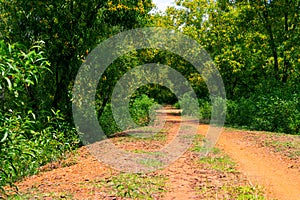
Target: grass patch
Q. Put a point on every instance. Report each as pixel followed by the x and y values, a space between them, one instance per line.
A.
pixel 136 186
pixel 198 147
pixel 287 145
pixel 197 143
pixel 216 159
pixel 160 136
pixel 151 163
pixel 239 192
pixel 141 151
pixel 219 162
pixel 51 195
pixel 244 192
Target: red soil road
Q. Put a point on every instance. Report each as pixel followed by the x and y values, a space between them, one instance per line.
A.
pixel 261 166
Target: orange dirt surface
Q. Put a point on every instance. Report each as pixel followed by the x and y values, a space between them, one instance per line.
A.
pixel 67 179
pixel 261 166
pixel 257 165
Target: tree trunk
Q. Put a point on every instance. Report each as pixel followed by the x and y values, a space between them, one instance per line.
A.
pixel 272 44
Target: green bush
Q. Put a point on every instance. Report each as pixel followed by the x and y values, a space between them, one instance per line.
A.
pixel 24 148
pixel 204 109
pixel 188 103
pixel 140 109
pixel 29 136
pixel 21 69
pixel 240 112
pixel 278 114
pixel 107 121
pixel 266 112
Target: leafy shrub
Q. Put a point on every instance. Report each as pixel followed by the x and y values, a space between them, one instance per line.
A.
pixel 204 109
pixel 177 105
pixel 240 113
pixel 266 112
pixel 188 103
pixel 107 121
pixel 29 136
pixel 20 71
pixel 278 114
pixel 140 109
pixel 24 148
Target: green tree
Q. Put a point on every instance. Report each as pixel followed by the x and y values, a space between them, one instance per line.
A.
pixel 255 47
pixel 279 21
pixel 36 77
pixel 253 43
pixel 70 29
pixel 21 69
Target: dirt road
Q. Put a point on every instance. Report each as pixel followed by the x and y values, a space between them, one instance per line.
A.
pixel 261 166
pixel 187 177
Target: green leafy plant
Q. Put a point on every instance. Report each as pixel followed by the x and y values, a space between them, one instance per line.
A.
pixel 29 135
pixel 244 192
pixel 25 149
pixel 21 69
pixel 140 109
pixel 136 186
pixel 107 121
pixel 266 112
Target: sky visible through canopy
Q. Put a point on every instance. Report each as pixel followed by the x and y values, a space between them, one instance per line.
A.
pixel 163 4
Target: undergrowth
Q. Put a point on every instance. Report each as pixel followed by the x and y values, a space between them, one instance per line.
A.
pixel 135 186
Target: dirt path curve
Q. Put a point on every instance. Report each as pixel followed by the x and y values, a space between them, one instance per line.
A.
pixel 258 164
pixel 262 167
